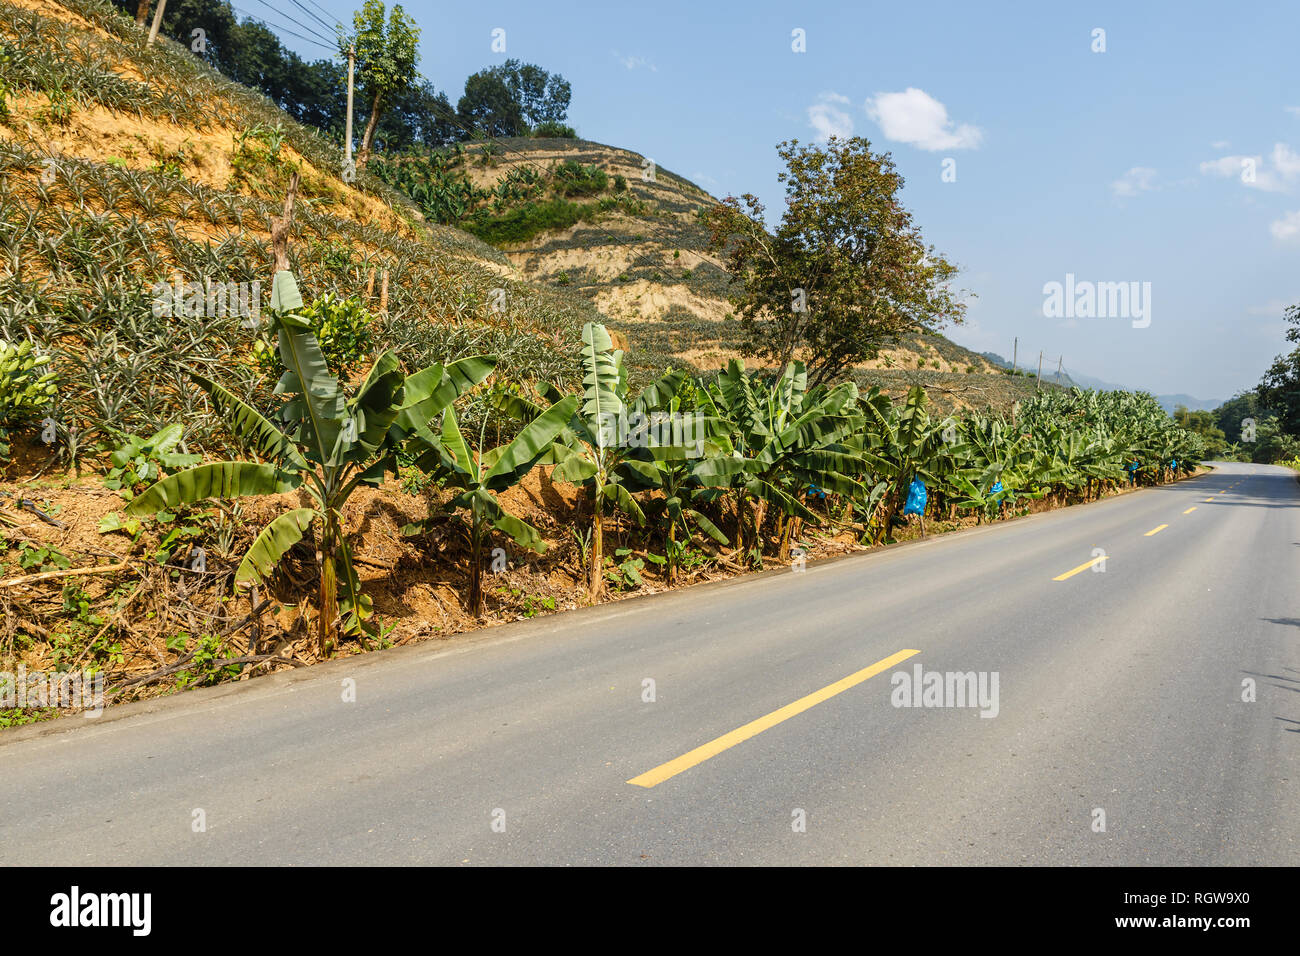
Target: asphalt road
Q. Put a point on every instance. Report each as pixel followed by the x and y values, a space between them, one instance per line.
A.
pixel 1119 692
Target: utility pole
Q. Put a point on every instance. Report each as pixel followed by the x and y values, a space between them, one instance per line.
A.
pixel 1039 383
pixel 1015 349
pixel 157 21
pixel 347 136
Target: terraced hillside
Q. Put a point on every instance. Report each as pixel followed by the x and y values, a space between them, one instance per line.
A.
pixel 645 264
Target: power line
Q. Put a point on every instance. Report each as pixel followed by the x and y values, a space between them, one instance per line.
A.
pixel 328 15
pixel 282 29
pixel 297 22
pixel 329 26
pixel 663 238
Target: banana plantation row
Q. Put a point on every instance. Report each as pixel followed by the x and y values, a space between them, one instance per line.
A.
pixel 768 455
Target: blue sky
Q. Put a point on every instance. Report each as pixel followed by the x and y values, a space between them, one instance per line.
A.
pixel 1118 166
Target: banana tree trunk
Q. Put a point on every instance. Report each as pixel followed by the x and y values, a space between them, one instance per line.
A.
pixel 596 577
pixel 740 526
pixel 475 566
pixel 671 569
pixel 329 596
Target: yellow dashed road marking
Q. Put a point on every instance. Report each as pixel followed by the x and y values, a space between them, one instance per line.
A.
pixel 714 747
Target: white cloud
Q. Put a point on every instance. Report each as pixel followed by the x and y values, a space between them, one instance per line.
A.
pixel 1293 110
pixel 1288 227
pixel 1220 144
pixel 1136 180
pixel 917 118
pixel 633 62
pixel 1286 162
pixel 828 118
pixel 1276 175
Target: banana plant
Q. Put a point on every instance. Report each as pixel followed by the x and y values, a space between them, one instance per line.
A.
pixel 608 447
pixel 319 441
pixel 788 437
pixel 902 444
pixel 482 476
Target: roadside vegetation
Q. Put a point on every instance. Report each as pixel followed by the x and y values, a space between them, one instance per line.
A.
pixel 1261 424
pixel 738 469
pixel 410 439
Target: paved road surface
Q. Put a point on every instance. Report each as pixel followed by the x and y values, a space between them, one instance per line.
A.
pixel 1118 691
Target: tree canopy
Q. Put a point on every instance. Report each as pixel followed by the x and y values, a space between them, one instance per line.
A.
pixel 845 271
pixel 1279 391
pixel 508 99
pixel 414 116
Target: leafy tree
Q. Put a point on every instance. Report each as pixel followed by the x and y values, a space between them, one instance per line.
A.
pixel 542 97
pixel 419 116
pixel 1205 424
pixel 489 108
pixel 386 56
pixel 1280 388
pixel 1244 406
pixel 506 100
pixel 846 270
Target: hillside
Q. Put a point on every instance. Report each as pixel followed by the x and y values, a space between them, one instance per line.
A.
pixel 125 165
pixel 643 261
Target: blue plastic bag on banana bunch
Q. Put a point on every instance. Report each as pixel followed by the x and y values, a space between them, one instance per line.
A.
pixel 916 495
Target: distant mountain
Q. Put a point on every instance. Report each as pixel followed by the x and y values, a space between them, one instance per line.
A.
pixel 1167 402
pixel 1170 402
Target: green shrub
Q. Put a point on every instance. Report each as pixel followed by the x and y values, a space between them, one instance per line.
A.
pixel 571 178
pixel 554 130
pixel 525 222
pixel 344 329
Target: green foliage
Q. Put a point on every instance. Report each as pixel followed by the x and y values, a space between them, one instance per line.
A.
pixel 483 474
pixel 386 54
pixel 571 178
pixel 205 664
pixel 1205 424
pixel 846 269
pixel 554 130
pixel 625 575
pixel 26 388
pixel 139 460
pixel 519 225
pixel 506 100
pixel 343 328
pixel 322 442
pixel 529 605
pixel 36 558
pixel 256 160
